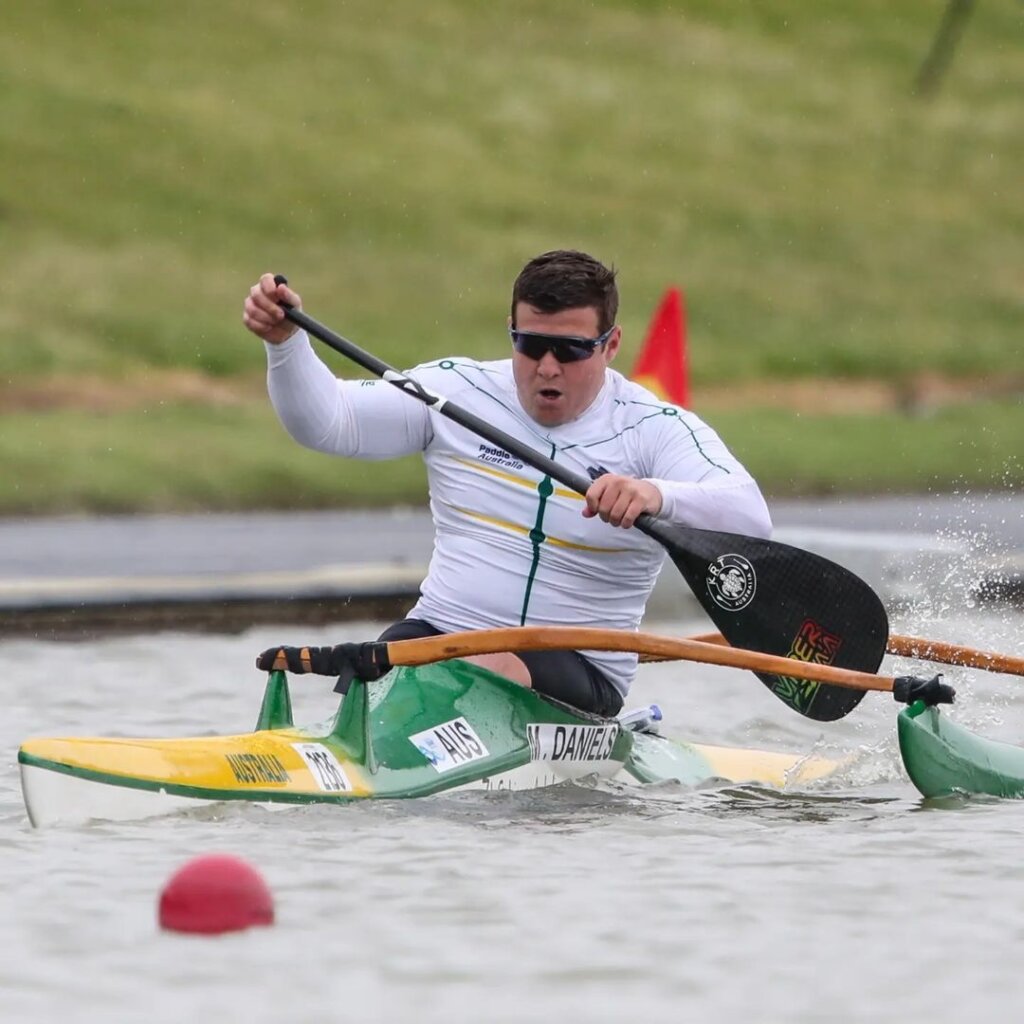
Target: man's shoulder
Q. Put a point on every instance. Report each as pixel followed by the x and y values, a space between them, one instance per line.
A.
pixel 474 383
pixel 454 368
pixel 634 399
pixel 644 418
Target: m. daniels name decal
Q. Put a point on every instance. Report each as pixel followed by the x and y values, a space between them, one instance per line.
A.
pixel 571 742
pixel 449 745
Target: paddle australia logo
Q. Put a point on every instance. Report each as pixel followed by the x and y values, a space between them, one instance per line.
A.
pixel 571 742
pixel 449 745
pixel 732 582
pixel 324 767
pixel 497 457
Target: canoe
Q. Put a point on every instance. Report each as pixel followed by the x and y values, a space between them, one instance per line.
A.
pixel 413 733
pixel 943 758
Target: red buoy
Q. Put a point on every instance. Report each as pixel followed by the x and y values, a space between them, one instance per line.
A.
pixel 215 893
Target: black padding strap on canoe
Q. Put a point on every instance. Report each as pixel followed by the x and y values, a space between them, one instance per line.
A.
pixel 907 689
pixel 366 661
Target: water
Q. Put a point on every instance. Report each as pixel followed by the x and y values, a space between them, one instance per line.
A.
pixel 850 900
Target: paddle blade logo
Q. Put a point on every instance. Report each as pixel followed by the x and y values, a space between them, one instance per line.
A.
pixel 812 644
pixel 731 582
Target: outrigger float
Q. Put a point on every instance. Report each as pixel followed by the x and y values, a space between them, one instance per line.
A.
pixel 944 759
pixel 413 733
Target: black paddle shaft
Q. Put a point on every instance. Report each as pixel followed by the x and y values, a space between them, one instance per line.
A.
pixel 762 595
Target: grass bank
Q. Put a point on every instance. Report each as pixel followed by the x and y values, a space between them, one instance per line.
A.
pixel 195 457
pixel 401 163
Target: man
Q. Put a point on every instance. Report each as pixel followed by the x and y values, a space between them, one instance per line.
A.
pixel 511 547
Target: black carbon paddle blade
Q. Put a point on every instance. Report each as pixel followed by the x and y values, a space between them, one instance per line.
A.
pixel 770 597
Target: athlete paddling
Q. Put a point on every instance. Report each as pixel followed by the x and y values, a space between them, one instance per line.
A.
pixel 511 546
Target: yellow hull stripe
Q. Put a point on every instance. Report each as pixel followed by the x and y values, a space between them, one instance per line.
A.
pixel 766 766
pixel 262 761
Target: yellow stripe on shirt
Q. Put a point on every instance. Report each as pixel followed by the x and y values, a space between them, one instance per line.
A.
pixel 518 528
pixel 529 484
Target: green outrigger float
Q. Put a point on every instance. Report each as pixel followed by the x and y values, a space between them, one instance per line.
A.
pixel 943 758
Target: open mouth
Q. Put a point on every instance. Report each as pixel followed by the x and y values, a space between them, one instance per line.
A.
pixel 550 394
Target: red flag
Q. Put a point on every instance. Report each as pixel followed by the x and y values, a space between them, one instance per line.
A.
pixel 661 364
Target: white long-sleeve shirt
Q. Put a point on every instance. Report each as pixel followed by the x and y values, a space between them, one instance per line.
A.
pixel 511 546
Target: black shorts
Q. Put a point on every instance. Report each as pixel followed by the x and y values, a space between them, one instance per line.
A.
pixel 565 675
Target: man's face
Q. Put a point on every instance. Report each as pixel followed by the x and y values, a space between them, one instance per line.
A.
pixel 554 393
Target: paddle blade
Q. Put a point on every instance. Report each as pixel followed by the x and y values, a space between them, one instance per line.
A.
pixel 778 599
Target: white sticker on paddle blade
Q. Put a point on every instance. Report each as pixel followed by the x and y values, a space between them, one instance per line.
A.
pixel 449 745
pixel 571 742
pixel 324 767
pixel 731 582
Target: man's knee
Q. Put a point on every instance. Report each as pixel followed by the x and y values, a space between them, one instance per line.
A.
pixel 504 664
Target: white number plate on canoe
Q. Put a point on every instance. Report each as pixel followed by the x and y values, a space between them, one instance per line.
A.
pixel 324 767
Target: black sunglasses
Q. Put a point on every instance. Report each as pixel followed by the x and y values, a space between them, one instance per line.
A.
pixel 566 348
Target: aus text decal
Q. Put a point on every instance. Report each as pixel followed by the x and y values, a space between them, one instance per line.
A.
pixel 449 745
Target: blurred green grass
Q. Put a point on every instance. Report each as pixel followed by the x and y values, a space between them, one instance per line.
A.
pixel 400 162
pixel 183 457
pixel 195 457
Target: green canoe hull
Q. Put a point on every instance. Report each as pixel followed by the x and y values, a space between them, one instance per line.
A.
pixel 943 758
pixel 414 733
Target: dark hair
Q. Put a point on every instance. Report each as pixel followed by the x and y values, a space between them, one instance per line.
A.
pixel 567 279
